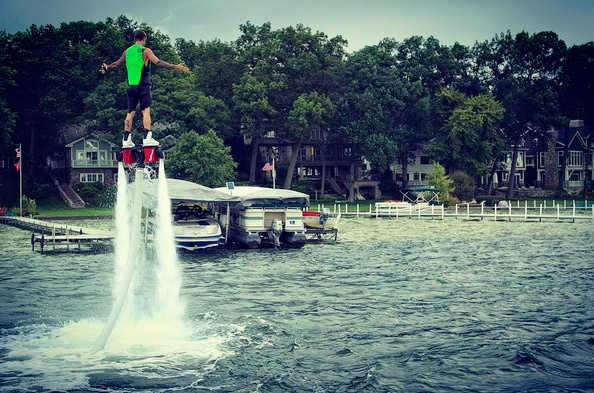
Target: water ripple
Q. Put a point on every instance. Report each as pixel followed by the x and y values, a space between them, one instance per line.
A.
pixel 393 306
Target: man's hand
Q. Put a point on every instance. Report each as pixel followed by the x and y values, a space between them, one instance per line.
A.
pixel 182 67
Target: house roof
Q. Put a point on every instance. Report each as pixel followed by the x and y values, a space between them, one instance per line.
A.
pixel 73 133
pixel 87 135
pixel 572 135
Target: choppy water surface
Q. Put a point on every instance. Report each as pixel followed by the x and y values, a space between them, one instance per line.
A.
pixel 395 305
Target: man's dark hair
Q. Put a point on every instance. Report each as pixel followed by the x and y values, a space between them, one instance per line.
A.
pixel 139 35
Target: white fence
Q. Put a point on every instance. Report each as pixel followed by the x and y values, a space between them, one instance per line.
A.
pixel 516 211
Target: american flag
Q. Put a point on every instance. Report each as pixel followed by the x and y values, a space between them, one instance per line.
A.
pixel 267 167
pixel 17 164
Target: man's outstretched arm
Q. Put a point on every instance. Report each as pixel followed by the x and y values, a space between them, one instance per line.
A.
pixel 116 64
pixel 161 63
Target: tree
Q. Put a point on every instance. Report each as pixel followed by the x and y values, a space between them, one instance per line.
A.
pixel 523 73
pixel 202 159
pixel 7 116
pixel 252 103
pixel 215 65
pixel 437 178
pixel 463 186
pixel 282 65
pixel 385 110
pixel 577 83
pixel 470 137
pixel 310 111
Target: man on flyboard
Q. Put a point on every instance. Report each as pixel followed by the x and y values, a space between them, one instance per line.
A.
pixel 138 58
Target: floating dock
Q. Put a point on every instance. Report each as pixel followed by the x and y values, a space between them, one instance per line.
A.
pixel 321 233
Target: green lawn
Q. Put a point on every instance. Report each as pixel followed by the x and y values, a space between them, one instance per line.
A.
pixel 53 206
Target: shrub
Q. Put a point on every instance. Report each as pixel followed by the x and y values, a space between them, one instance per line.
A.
pixel 40 191
pixel 107 197
pixel 463 186
pixel 305 186
pixel 90 193
pixel 489 199
pixel 29 206
pixel 450 201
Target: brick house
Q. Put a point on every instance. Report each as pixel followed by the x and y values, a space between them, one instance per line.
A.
pixel 346 172
pixel 85 157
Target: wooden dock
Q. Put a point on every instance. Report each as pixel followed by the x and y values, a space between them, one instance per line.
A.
pixel 59 235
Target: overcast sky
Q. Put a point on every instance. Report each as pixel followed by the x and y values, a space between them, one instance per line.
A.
pixel 362 22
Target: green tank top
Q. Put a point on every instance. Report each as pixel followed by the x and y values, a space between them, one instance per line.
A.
pixel 135 64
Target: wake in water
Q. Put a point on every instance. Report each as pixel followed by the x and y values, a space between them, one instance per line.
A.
pixel 145 337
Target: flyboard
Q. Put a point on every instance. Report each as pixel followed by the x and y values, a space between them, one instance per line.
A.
pixel 136 162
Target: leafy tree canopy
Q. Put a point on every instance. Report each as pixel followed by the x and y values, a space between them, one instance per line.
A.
pixel 202 159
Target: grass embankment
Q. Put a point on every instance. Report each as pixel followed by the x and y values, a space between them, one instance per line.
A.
pixel 54 207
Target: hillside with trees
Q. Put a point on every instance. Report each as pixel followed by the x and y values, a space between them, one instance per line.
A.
pixel 467 105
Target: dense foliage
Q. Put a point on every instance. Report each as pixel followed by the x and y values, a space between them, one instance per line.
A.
pixel 468 105
pixel 202 159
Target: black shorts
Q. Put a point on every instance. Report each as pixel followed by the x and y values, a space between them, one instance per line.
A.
pixel 136 94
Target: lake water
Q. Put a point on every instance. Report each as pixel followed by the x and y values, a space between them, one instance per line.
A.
pixel 395 305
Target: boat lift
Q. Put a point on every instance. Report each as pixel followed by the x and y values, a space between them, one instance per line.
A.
pixel 421 194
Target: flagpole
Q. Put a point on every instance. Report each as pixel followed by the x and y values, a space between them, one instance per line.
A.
pixel 21 179
pixel 273 174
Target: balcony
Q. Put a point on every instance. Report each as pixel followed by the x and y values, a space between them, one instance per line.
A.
pixel 94 163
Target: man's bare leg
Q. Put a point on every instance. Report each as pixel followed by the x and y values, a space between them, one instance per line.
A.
pixel 146 122
pixel 127 141
pixel 146 119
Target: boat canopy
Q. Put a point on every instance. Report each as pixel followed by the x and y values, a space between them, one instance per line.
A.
pixel 421 194
pixel 266 197
pixel 186 191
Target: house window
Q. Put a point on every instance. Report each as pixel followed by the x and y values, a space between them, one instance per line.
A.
pixel 91 144
pixel 346 151
pixel 425 160
pixel 92 158
pixel 308 153
pixel 423 176
pixel 91 177
pixel 530 161
pixel 576 158
pixel 416 176
pixel 541 159
pixel 316 135
pixel 520 159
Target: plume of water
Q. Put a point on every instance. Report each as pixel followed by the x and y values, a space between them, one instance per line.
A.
pixel 128 270
pixel 122 229
pixel 168 303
